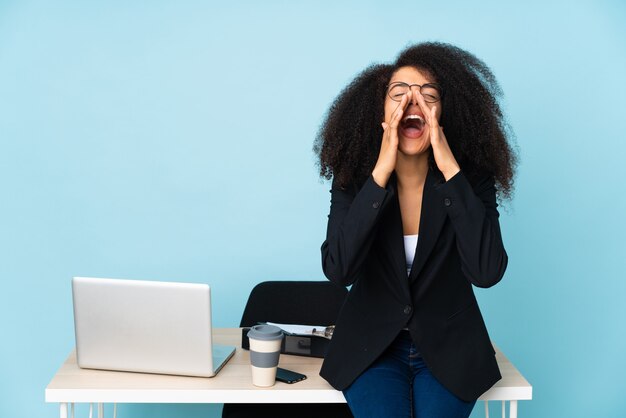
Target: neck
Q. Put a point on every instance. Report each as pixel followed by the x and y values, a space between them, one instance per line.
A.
pixel 411 170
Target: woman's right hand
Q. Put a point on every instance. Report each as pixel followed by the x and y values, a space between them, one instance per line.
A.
pixel 389 146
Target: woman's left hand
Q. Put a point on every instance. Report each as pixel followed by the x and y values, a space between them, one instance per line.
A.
pixel 446 163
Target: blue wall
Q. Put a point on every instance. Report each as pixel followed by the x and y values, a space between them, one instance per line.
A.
pixel 162 140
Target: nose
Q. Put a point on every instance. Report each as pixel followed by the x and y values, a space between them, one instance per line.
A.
pixel 414 92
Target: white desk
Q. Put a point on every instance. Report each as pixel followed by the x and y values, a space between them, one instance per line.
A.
pixel 233 384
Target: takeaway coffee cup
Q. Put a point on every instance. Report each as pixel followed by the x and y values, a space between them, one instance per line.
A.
pixel 265 342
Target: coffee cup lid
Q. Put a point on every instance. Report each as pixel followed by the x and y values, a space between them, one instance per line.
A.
pixel 265 332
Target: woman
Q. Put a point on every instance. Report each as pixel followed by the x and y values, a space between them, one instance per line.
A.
pixel 413 224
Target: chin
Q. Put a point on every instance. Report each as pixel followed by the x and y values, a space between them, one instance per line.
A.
pixel 413 147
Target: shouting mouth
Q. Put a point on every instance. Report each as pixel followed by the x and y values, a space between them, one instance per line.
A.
pixel 412 126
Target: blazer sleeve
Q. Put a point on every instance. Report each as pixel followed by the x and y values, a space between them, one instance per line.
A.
pixel 474 216
pixel 351 228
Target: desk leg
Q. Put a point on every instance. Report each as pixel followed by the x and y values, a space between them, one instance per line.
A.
pixel 63 410
pixel 486 409
pixel 100 410
pixel 512 409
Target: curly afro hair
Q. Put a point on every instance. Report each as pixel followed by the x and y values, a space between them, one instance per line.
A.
pixel 348 142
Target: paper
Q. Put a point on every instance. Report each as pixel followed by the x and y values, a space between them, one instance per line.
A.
pixel 301 329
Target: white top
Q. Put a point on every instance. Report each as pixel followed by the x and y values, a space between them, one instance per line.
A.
pixel 410 245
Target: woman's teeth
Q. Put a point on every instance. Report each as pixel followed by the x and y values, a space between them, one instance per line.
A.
pixel 413 121
pixel 406 118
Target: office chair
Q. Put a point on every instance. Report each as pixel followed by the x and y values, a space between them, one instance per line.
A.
pixel 291 302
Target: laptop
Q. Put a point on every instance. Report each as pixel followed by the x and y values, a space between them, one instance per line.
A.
pixel 146 326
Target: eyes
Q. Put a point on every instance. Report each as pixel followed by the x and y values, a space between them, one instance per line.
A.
pixel 432 92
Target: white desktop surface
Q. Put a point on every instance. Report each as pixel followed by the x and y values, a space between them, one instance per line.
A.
pixel 233 384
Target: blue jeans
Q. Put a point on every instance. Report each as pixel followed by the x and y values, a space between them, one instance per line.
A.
pixel 400 385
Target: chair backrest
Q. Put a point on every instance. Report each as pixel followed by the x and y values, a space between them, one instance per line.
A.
pixel 294 302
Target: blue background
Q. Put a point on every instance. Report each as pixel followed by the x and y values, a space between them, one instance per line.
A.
pixel 173 141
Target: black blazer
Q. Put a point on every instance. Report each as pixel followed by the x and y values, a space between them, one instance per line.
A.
pixel 459 245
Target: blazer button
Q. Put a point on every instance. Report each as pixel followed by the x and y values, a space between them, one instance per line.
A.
pixel 407 309
pixel 447 201
pixel 375 205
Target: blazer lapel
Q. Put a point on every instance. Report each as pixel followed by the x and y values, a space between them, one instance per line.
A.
pixel 394 237
pixel 431 220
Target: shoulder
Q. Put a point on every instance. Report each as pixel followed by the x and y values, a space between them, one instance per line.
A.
pixel 480 180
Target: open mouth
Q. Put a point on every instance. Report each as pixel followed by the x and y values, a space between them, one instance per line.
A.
pixel 412 126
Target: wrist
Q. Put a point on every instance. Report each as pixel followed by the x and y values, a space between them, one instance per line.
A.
pixel 381 177
pixel 451 172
